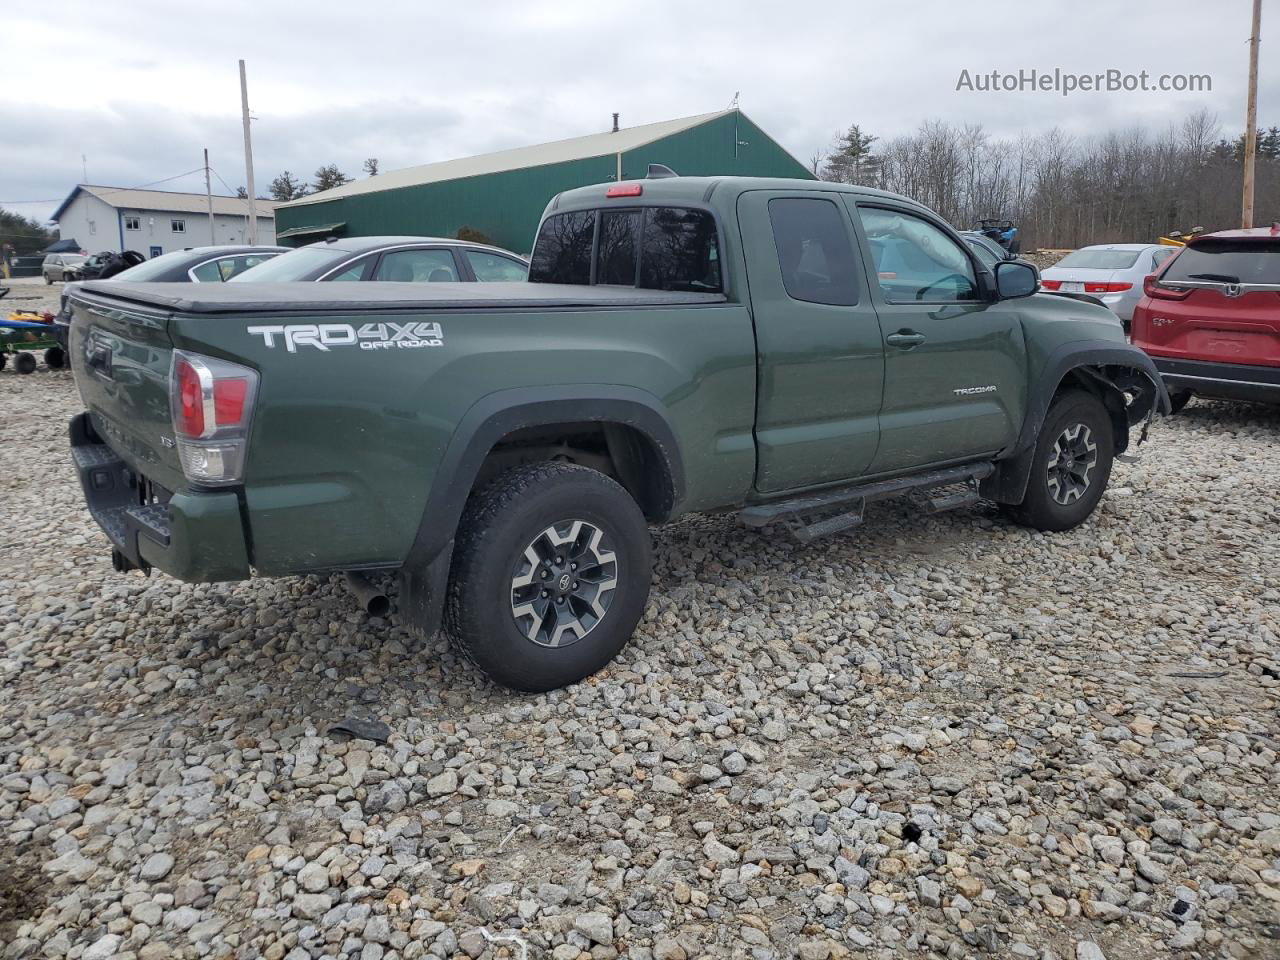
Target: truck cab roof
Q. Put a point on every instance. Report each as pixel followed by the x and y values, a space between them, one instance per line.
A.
pixel 702 190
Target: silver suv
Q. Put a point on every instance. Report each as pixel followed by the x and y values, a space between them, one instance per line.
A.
pixel 62 266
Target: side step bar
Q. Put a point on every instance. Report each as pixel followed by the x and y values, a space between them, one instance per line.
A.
pixel 831 511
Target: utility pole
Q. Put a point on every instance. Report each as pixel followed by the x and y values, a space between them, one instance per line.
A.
pixel 208 195
pixel 1251 119
pixel 248 158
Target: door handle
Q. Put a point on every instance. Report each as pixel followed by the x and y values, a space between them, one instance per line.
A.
pixel 905 338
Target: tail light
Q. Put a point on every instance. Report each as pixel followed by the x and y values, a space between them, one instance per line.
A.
pixel 1107 287
pixel 1050 284
pixel 1152 287
pixel 625 190
pixel 211 404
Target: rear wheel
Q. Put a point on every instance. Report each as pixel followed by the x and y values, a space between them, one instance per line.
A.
pixel 1071 465
pixel 24 363
pixel 56 358
pixel 550 575
pixel 1178 400
pixel 4 359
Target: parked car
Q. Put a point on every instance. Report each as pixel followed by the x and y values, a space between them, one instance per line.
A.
pixel 1112 272
pixel 790 350
pixel 200 264
pixel 108 263
pixel 395 259
pixel 62 266
pixel 1211 318
pixel 989 251
pixel 195 265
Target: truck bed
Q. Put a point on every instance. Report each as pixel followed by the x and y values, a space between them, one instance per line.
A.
pixel 258 298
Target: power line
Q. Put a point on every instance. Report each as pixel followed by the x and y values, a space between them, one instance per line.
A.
pixel 110 190
pixel 229 187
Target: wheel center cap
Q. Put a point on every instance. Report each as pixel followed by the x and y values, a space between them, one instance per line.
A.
pixel 564 581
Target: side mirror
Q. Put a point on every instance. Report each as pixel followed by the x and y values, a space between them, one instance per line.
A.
pixel 1015 278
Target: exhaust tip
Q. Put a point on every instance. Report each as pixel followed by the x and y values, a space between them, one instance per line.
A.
pixel 374 601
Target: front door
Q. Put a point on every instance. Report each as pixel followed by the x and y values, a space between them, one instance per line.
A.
pixel 820 367
pixel 954 360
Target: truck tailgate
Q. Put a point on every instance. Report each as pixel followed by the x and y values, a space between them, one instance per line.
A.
pixel 121 354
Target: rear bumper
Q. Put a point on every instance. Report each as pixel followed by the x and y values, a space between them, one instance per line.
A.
pixel 1226 381
pixel 192 535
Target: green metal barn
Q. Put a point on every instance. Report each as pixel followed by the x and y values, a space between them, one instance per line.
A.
pixel 502 194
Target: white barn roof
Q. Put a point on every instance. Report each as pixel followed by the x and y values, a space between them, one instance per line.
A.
pixel 167 201
pixel 558 151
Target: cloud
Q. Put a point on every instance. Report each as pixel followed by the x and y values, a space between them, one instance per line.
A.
pixel 142 91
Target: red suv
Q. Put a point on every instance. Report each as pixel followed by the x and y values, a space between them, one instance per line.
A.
pixel 1211 318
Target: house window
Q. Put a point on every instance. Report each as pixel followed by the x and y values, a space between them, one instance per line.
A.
pixel 178 226
pixel 133 223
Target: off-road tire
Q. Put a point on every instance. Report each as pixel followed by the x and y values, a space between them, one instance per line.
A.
pixel 1040 508
pixel 1179 399
pixel 498 524
pixel 24 362
pixel 55 358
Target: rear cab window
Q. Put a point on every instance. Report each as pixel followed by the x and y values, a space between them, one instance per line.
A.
pixel 1227 260
pixel 653 248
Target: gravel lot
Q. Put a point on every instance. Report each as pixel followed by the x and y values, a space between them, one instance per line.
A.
pixel 30 293
pixel 935 736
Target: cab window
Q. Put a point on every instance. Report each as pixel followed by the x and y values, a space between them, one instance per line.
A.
pixel 915 261
pixel 814 252
pixel 562 253
pixel 678 249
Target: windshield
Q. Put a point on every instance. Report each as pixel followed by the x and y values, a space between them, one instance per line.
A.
pixel 1098 258
pixel 297 264
pixel 150 269
pixel 1227 261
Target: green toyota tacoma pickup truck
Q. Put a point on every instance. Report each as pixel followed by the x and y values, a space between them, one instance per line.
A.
pixel 790 350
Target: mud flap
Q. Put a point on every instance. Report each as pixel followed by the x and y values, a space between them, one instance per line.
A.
pixel 422 592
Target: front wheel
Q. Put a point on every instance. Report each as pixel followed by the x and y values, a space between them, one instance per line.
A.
pixel 1071 465
pixel 24 363
pixel 550 575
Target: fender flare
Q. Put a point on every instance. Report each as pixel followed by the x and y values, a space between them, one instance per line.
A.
pixel 424 576
pixel 1009 483
pixel 497 414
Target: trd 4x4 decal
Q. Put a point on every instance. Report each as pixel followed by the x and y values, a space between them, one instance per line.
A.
pixel 370 336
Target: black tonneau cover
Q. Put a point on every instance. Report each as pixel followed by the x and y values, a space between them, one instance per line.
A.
pixel 302 297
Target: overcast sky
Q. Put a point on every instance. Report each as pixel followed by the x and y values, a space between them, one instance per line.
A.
pixel 140 88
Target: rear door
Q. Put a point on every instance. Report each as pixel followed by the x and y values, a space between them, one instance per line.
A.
pixel 954 368
pixel 1219 302
pixel 820 372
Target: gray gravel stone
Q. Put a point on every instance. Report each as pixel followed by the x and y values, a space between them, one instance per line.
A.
pixel 936 735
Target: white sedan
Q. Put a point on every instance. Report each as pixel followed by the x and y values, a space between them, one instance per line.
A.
pixel 1112 272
